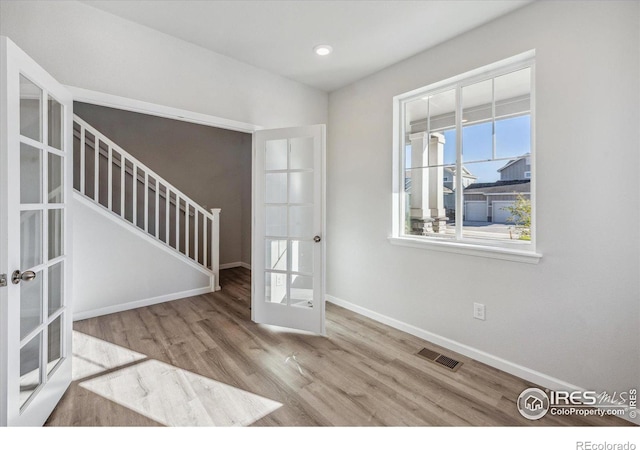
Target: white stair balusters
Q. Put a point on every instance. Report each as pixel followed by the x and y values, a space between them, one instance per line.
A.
pixel 197 228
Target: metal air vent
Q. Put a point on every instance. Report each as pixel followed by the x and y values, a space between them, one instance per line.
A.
pixel 442 360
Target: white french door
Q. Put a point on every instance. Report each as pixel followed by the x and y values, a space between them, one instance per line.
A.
pixel 288 232
pixel 35 190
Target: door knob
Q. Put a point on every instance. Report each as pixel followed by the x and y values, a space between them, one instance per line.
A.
pixel 317 238
pixel 17 277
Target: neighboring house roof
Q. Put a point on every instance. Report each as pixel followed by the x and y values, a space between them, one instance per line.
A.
pixel 513 161
pixel 465 172
pixel 500 187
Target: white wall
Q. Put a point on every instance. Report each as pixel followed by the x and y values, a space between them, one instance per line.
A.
pixel 88 48
pixel 114 269
pixel 575 316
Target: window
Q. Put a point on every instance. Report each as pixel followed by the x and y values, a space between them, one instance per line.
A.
pixel 464 158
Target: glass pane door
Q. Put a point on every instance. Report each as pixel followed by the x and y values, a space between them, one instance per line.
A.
pixel 287 242
pixel 289 199
pixel 35 168
pixel 42 211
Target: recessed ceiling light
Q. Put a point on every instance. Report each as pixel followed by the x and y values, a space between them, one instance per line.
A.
pixel 322 50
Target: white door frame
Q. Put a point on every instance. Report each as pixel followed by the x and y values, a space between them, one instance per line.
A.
pixel 155 109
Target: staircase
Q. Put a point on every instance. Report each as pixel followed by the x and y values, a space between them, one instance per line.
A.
pixel 108 176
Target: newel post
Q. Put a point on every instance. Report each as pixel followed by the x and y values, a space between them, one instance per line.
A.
pixel 215 246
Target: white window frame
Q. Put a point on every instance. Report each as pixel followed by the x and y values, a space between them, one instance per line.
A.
pixel 520 252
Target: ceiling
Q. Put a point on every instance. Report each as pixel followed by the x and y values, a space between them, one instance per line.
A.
pixel 279 36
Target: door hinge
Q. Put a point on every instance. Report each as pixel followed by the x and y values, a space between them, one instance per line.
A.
pixel 3 279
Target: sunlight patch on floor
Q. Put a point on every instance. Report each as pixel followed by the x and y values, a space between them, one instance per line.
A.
pixel 176 397
pixel 92 356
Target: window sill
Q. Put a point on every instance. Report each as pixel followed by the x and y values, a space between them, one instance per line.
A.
pixel 463 248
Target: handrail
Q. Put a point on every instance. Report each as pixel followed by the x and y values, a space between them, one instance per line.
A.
pixel 195 232
pixel 129 171
pixel 136 162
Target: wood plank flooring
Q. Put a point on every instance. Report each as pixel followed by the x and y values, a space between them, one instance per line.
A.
pixel 362 373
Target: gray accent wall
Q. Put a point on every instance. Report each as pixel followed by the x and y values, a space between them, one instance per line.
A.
pixel 210 165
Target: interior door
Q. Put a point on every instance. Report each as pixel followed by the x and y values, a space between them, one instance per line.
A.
pixel 288 232
pixel 35 190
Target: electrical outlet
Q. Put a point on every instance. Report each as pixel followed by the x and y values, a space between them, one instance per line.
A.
pixel 279 280
pixel 479 311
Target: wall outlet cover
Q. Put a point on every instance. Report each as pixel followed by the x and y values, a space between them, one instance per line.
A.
pixel 479 311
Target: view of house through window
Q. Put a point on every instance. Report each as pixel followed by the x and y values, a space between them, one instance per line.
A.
pixel 467 160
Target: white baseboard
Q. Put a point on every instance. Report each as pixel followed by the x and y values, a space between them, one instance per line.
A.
pixel 139 303
pixel 525 373
pixel 486 358
pixel 235 264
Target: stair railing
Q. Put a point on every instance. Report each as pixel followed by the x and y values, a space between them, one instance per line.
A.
pixel 114 179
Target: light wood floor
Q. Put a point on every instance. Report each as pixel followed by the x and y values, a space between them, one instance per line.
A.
pixel 362 373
